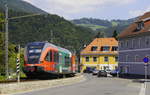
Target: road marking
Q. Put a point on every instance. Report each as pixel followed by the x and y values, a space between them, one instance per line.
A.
pixel 143 88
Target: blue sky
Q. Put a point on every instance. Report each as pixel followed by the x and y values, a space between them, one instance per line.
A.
pixel 102 9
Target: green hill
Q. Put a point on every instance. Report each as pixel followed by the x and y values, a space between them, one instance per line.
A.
pixel 105 26
pixel 38 28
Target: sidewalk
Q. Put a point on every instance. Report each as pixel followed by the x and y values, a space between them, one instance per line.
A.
pixel 147 87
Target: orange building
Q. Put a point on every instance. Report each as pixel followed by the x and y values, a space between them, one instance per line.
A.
pixel 101 53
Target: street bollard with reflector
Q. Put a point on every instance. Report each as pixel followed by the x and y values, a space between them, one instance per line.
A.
pixel 17 49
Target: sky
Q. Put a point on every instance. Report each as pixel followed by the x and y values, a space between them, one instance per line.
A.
pixel 101 9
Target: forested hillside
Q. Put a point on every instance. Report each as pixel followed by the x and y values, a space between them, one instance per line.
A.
pixel 20 5
pixel 38 28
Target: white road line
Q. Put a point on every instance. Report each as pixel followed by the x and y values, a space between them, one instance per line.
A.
pixel 143 89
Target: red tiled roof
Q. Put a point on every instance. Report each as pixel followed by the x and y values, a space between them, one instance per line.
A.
pixel 129 31
pixel 99 42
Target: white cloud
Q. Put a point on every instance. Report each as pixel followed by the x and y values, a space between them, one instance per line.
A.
pixel 135 13
pixel 73 7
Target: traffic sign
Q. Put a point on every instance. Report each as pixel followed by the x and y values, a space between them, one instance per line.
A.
pixel 145 60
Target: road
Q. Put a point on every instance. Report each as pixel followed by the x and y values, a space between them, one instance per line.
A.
pixel 93 86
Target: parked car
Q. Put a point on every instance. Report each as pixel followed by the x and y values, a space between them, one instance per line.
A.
pixel 108 71
pixel 88 70
pixel 95 72
pixel 114 72
pixel 102 73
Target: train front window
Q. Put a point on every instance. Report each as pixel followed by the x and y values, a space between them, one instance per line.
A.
pixel 34 58
pixel 34 52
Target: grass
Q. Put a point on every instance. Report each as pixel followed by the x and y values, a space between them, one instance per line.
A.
pixel 114 23
pixel 93 27
pixel 22 75
pixel 2 78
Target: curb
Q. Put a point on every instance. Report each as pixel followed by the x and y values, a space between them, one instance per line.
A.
pixel 37 85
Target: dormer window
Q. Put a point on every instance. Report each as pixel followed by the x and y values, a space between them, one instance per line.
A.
pixel 114 48
pixel 140 25
pixel 105 48
pixel 94 48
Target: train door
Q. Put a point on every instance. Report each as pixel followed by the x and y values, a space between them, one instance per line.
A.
pixel 48 60
pixel 60 63
pixel 56 61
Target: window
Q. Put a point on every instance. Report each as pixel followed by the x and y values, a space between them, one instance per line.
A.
pixel 56 57
pixel 127 58
pixel 140 26
pixel 114 48
pixel 132 46
pixel 67 61
pixel 105 48
pixel 95 59
pixel 49 56
pixel 93 48
pixel 116 58
pixel 121 43
pixel 139 42
pixel 127 43
pixel 106 58
pixel 87 59
pixel 136 58
pixel 147 41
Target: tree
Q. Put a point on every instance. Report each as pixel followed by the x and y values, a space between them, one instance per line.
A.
pixel 100 35
pixel 1 21
pixel 115 35
pixel 1 44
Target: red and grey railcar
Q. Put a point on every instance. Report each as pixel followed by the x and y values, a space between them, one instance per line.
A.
pixel 46 59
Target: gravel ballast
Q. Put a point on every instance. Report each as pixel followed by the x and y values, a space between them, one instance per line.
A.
pixel 35 85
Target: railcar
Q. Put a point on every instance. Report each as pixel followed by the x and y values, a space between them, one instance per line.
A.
pixel 46 59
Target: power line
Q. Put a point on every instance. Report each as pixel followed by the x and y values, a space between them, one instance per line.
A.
pixel 23 16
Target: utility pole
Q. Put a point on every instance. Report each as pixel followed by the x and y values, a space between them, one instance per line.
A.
pixel 6 41
pixel 7 37
pixel 51 36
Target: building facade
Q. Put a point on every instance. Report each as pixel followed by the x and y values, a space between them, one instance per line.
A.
pixel 134 45
pixel 101 53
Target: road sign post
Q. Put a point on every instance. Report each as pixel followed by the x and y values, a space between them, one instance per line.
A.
pixel 145 60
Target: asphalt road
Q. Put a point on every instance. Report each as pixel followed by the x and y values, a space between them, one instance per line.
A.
pixel 93 86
